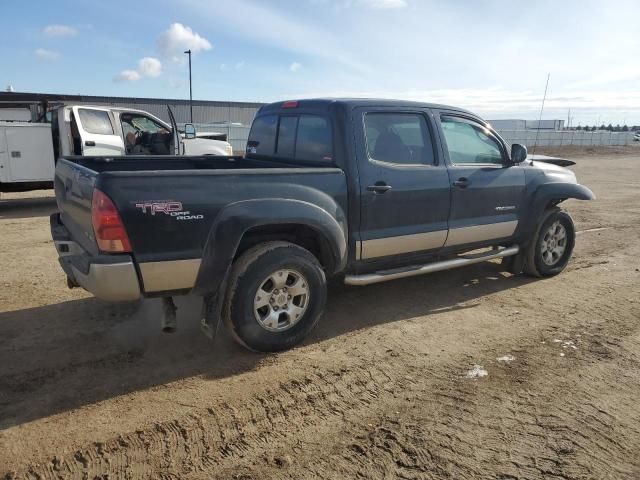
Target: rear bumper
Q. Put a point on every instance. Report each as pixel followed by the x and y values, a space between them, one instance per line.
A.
pixel 109 277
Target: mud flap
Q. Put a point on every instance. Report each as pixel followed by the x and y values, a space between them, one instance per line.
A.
pixel 211 315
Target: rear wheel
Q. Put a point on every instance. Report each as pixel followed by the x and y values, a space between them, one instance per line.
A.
pixel 276 295
pixel 552 247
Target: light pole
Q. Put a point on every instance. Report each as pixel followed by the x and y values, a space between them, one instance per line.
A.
pixel 188 52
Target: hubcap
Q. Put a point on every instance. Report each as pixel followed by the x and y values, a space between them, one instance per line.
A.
pixel 554 243
pixel 281 300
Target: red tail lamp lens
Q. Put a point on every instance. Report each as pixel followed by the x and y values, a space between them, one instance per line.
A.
pixel 110 234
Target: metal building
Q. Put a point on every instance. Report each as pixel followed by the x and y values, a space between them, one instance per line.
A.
pixel 232 118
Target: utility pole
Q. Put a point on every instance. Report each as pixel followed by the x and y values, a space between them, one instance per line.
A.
pixel 188 52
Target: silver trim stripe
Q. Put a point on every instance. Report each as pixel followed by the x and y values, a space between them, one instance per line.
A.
pixel 480 233
pixel 170 275
pixel 381 247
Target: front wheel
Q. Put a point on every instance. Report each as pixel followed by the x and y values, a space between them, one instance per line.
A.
pixel 551 249
pixel 276 294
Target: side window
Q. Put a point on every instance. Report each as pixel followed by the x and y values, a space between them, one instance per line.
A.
pixel 140 123
pixel 95 121
pixel 400 138
pixel 314 142
pixel 262 137
pixel 469 142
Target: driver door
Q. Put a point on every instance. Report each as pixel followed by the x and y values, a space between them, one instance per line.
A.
pixel 97 133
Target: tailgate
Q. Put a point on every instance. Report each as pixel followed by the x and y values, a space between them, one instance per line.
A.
pixel 73 185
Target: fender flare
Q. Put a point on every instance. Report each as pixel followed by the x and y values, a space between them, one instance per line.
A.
pixel 236 219
pixel 544 195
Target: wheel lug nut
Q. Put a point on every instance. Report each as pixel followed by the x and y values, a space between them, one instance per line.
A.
pixel 271 300
pixel 288 297
pixel 276 291
pixel 275 308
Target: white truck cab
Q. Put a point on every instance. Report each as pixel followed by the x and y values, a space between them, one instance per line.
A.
pixel 88 130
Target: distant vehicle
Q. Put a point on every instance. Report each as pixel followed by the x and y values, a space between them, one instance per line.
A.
pixel 372 190
pixel 636 136
pixel 29 150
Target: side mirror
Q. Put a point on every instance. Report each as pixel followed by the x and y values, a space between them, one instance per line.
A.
pixel 518 153
pixel 189 131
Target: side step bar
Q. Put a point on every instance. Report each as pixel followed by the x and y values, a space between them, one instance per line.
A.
pixel 414 270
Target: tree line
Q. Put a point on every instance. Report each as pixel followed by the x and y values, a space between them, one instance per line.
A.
pixel 609 128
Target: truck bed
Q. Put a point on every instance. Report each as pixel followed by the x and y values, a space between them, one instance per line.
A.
pixel 198 190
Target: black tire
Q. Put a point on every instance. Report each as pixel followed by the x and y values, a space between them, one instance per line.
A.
pixel 248 274
pixel 535 265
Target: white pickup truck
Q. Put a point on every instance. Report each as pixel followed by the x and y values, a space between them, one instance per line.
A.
pixel 29 150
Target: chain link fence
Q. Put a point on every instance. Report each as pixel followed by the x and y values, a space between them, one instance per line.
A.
pixel 566 137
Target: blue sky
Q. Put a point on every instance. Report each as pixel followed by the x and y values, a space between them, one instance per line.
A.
pixel 489 56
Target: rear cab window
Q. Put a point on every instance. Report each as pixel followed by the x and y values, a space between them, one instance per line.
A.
pixel 300 137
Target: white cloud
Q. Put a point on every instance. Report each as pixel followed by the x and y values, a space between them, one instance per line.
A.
pixel 295 66
pixel 177 38
pixel 46 54
pixel 59 31
pixel 383 4
pixel 149 67
pixel 127 76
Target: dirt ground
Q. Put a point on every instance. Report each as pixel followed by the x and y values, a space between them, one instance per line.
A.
pixel 384 387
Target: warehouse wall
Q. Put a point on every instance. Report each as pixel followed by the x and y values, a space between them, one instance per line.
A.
pixel 221 112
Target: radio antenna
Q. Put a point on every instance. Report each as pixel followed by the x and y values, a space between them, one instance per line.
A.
pixel 535 143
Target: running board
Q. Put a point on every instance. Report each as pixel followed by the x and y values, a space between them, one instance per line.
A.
pixel 414 270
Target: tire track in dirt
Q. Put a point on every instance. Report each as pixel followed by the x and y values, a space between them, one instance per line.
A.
pixel 527 421
pixel 211 438
pixel 523 421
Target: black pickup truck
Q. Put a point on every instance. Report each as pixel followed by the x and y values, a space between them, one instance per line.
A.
pixel 370 190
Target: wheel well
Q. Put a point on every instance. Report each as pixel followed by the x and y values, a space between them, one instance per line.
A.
pixel 553 203
pixel 301 235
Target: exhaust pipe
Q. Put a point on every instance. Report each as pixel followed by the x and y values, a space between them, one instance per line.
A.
pixel 168 320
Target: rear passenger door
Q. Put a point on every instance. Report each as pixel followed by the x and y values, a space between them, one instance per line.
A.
pixel 487 189
pixel 404 187
pixel 97 134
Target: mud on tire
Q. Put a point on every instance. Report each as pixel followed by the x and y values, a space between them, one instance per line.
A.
pixel 275 297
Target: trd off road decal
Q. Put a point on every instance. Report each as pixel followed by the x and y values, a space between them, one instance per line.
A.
pixel 167 207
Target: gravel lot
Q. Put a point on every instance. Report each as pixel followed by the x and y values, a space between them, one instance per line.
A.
pixel 389 385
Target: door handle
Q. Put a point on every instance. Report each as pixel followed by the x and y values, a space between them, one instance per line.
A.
pixel 379 187
pixel 89 143
pixel 462 182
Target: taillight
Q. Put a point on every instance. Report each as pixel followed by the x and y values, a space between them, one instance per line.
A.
pixel 290 104
pixel 108 228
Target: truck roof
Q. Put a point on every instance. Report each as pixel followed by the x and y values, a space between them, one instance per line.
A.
pixel 351 103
